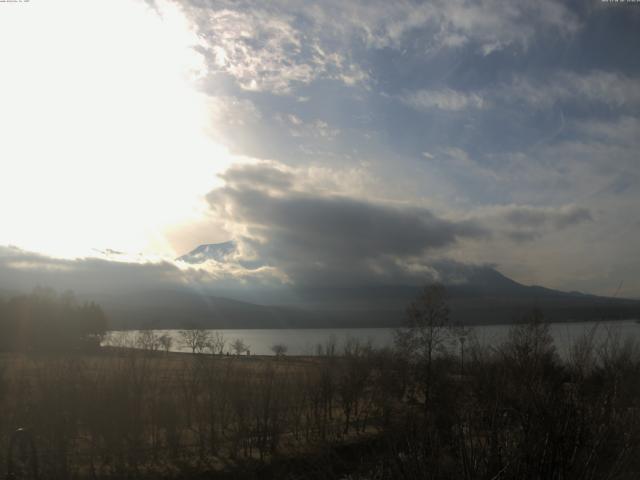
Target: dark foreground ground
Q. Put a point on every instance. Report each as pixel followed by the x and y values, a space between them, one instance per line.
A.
pixel 512 411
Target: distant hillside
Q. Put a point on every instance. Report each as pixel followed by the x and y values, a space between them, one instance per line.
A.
pixel 487 297
pixel 477 295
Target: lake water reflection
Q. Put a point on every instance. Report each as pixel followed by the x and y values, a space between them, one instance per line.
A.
pixel 304 341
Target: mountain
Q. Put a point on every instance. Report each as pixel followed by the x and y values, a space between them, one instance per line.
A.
pixel 486 297
pixel 139 296
pixel 183 308
pixel 210 251
pixel 476 295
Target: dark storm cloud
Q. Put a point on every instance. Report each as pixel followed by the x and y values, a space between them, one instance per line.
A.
pixel 315 237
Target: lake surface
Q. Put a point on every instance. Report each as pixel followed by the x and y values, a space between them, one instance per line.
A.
pixel 305 341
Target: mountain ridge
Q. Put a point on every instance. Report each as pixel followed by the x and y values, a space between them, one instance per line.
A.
pixel 476 294
pixel 485 296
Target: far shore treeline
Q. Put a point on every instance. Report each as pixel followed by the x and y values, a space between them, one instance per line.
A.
pixel 46 320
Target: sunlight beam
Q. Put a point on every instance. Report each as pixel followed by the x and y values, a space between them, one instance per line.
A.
pixel 102 131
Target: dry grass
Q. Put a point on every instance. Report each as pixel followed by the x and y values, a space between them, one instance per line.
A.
pixel 119 410
pixel 516 411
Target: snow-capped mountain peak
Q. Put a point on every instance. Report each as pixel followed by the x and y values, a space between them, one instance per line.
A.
pixel 209 251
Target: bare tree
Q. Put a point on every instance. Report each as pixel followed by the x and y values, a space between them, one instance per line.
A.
pixel 353 378
pixel 121 340
pixel 166 342
pixel 459 335
pixel 530 344
pixel 426 333
pixel 238 346
pixel 148 340
pixel 196 339
pixel 217 343
pixel 279 349
pixel 329 347
pixel 428 324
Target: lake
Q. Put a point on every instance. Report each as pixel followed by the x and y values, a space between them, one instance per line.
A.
pixel 304 341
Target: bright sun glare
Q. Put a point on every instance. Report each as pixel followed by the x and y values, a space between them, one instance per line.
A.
pixel 103 138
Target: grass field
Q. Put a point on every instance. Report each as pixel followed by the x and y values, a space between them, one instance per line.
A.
pixel 515 408
pixel 105 413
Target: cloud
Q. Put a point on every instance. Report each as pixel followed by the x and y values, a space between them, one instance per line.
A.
pixel 533 217
pixel 278 46
pixel 489 24
pixel 445 99
pixel 232 111
pixel 494 25
pixel 595 155
pixel 524 223
pixel 458 160
pixel 310 129
pixel 264 175
pixel 610 88
pixel 313 232
pixel 265 48
pixel 22 270
pixel 316 237
pixel 621 131
pixel 237 43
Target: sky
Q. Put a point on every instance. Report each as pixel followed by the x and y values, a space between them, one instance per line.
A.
pixel 337 143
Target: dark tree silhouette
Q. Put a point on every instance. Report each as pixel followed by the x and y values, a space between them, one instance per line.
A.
pixel 44 320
